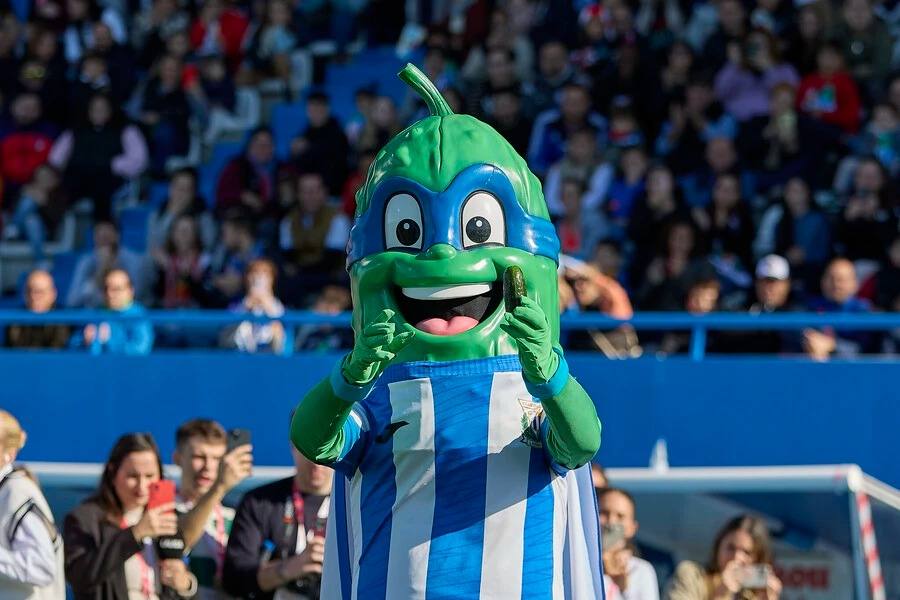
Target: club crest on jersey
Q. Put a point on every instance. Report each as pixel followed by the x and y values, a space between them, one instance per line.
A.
pixel 531 422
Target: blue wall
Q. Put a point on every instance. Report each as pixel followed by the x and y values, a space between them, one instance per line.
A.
pixel 714 412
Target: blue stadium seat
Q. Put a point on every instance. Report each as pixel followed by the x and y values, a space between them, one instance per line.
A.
pixel 157 194
pixel 134 223
pixel 63 271
pixel 371 66
pixel 288 120
pixel 211 169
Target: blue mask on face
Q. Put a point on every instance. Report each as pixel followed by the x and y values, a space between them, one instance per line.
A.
pixel 478 209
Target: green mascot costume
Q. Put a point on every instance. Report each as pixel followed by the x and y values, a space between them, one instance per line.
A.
pixel 459 439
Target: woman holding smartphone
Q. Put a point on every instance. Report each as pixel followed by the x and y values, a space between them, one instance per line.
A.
pixel 740 567
pixel 109 538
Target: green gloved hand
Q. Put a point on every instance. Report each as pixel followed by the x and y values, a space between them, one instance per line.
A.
pixel 374 349
pixel 528 326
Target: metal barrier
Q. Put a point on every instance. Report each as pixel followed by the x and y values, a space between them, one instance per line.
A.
pixel 698 325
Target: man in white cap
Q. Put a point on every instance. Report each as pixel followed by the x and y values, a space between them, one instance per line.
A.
pixel 773 284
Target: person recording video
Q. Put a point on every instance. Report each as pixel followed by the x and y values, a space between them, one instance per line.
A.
pixel 277 542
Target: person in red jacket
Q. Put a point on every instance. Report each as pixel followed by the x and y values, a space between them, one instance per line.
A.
pixel 830 94
pixel 220 29
pixel 25 142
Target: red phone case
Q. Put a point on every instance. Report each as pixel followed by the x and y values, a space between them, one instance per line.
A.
pixel 161 492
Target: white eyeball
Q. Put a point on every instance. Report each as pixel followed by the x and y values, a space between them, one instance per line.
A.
pixel 403 227
pixel 482 221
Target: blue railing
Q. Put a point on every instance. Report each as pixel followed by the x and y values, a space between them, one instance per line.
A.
pixel 698 325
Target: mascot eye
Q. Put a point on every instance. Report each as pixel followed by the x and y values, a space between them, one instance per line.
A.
pixel 403 223
pixel 482 221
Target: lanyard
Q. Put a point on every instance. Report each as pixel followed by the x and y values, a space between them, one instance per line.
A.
pixel 299 515
pixel 142 564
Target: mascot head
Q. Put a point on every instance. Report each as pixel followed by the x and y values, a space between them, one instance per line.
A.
pixel 447 206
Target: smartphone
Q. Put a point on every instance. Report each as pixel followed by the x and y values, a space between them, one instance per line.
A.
pixel 161 492
pixel 612 534
pixel 756 577
pixel 237 438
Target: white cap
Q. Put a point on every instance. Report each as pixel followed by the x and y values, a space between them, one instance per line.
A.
pixel 773 267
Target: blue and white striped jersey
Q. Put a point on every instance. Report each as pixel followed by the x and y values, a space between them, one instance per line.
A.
pixel 448 492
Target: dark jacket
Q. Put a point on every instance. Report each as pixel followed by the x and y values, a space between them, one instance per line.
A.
pixel 261 516
pixel 38 336
pixel 96 551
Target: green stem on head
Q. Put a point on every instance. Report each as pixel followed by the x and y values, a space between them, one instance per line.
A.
pixel 423 86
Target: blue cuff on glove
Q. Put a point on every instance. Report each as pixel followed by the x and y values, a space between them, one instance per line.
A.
pixel 555 385
pixel 347 392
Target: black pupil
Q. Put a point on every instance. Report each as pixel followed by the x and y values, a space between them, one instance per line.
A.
pixel 478 229
pixel 408 232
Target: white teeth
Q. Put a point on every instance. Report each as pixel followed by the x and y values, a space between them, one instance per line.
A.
pixel 446 292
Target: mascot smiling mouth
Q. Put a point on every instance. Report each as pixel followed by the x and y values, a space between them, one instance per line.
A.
pixel 448 310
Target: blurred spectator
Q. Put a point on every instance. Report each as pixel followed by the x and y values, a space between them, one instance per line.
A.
pixel 249 179
pixel 290 513
pixel 237 248
pixel 579 228
pixel 675 72
pixel 180 265
pixel 785 143
pixel 313 236
pixel 592 291
pixel 634 577
pixel 882 288
pixel 119 59
pixel 270 46
pixel 81 16
pixel 132 337
pixel 93 78
pixel 721 157
pixel 839 288
pixel 880 138
pixel 156 21
pixel 322 146
pixel 31 554
pixel 382 125
pixel 775 16
pixel 727 225
pixel 701 293
pixel 99 155
pixel 110 537
pixel 753 70
pixel 608 259
pixel 163 110
pixel 40 298
pixel 506 115
pixel 626 187
pixel 220 29
pixel 772 289
pixel 86 289
pixel 742 542
pixel 660 23
pixel 212 96
pixel 333 300
pixel 866 44
pixel 730 29
pixel 25 141
pixel 182 200
pixel 553 128
pixel 868 223
pixel 661 284
pixel 260 301
pixel 554 72
pixel 694 120
pixel 583 164
pixel 653 211
pixel 803 234
pixel 829 94
pixel 209 470
pixel 805 38
pixel 39 210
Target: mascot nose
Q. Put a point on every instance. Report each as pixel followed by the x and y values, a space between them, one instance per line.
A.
pixel 440 251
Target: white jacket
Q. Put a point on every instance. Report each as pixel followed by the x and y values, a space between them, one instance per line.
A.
pixel 31 548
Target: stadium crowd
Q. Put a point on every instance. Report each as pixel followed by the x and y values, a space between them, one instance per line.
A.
pixel 124 543
pixel 695 156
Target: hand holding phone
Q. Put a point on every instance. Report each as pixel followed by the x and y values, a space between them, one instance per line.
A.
pixel 237 438
pixel 162 493
pixel 238 461
pixel 756 577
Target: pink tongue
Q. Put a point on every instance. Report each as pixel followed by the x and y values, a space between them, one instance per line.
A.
pixel 438 326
